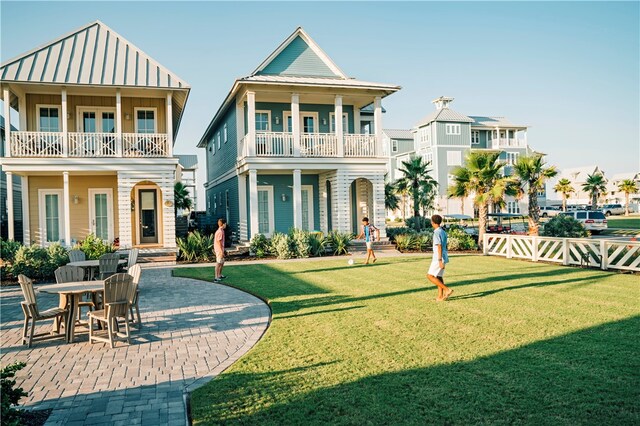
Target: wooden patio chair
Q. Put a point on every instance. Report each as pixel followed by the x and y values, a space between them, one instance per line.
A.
pixel 117 290
pixel 69 274
pixel 33 314
pixel 133 258
pixel 77 256
pixel 108 265
pixel 135 272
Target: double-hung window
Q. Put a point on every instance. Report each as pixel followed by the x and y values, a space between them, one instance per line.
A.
pixel 394 145
pixel 453 129
pixel 218 136
pixel 48 119
pixel 262 120
pixel 146 121
pixel 475 137
pixel 512 158
pixel 225 133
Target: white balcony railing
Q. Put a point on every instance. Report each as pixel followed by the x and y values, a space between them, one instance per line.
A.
pixel 508 143
pixel 274 144
pixel 318 145
pixel 359 145
pixel 92 145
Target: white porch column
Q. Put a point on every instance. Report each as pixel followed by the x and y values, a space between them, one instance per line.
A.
pixel 377 118
pixel 124 210
pixel 356 120
pixel 253 201
pixel 10 217
pixel 65 211
pixel 339 130
pixel 295 123
pixel 169 125
pixel 22 107
pixel 26 228
pixel 242 205
pixel 119 124
pixel 341 202
pixel 496 142
pixel 240 130
pixel 378 205
pixel 297 199
pixel 7 123
pixel 65 130
pixel 251 124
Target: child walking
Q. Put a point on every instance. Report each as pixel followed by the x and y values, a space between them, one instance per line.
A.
pixel 440 259
pixel 368 233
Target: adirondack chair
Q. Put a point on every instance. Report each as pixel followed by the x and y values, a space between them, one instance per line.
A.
pixel 33 314
pixel 68 274
pixel 117 291
pixel 135 271
pixel 108 265
pixel 77 256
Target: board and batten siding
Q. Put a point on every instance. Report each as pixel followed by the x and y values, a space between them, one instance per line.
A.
pixel 220 161
pixel 298 59
pixel 324 112
pixel 216 202
pixel 464 138
pixel 444 169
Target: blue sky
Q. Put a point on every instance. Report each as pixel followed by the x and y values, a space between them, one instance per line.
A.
pixel 570 70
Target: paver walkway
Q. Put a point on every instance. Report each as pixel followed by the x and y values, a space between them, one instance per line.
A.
pixel 191 329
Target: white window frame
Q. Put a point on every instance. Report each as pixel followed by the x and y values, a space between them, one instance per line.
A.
pixel 42 215
pixel 272 222
pixel 287 114
pixel 92 207
pixel 268 112
pixel 453 129
pixel 225 133
pixel 454 158
pixel 51 106
pixel 159 212
pixel 475 141
pixel 218 137
pixel 513 207
pixel 98 111
pixel 310 216
pixel 512 158
pixel 345 117
pixel 155 117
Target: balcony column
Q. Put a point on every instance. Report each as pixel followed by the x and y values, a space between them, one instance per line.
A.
pixel 7 122
pixel 22 109
pixel 297 199
pixel 240 133
pixel 295 123
pixel 119 141
pixel 65 126
pixel 65 208
pixel 339 130
pixel 242 204
pixel 356 120
pixel 496 142
pixel 10 217
pixel 169 125
pixel 26 228
pixel 377 118
pixel 253 202
pixel 251 124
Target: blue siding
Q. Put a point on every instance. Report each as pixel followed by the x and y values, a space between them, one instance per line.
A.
pixel 323 110
pixel 464 138
pixel 220 161
pixel 483 140
pixel 216 202
pixel 298 59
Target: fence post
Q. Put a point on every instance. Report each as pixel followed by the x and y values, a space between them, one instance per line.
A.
pixel 534 248
pixel 485 241
pixel 565 251
pixel 509 248
pixel 604 255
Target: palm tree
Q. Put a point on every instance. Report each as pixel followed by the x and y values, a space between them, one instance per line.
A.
pixel 403 190
pixel 461 189
pixel 181 198
pixel 565 188
pixel 417 180
pixel 531 176
pixel 627 186
pixel 483 177
pixel 391 200
pixel 595 185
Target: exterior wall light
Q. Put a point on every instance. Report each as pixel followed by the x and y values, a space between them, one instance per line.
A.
pixel 127 116
pixel 277 119
pixel 76 199
pixel 283 197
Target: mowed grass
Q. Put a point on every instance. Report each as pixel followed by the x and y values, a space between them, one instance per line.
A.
pixel 517 343
pixel 624 222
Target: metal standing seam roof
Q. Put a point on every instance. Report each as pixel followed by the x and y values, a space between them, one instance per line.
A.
pixel 188 162
pixel 398 133
pixel 319 81
pixel 444 114
pixel 493 122
pixel 91 55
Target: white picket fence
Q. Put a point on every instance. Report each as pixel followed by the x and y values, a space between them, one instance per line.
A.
pixel 604 254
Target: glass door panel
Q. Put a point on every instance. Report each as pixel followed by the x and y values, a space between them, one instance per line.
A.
pixel 52 217
pixel 305 210
pixel 148 216
pixel 100 215
pixel 263 212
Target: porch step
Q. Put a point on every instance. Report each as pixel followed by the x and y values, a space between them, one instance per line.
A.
pixel 157 256
pixel 384 245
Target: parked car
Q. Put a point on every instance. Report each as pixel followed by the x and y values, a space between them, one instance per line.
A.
pixel 594 221
pixel 549 211
pixel 609 209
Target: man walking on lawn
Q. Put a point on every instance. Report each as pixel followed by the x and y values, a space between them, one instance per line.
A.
pixel 218 248
pixel 440 259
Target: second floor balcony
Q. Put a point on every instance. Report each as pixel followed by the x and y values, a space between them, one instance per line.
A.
pixel 88 145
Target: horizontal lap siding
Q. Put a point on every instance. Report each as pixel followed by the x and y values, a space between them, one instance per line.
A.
pixel 220 161
pixel 298 59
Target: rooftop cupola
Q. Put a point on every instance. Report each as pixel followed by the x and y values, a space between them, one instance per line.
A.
pixel 442 102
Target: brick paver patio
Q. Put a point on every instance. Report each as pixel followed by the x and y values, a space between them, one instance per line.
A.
pixel 191 330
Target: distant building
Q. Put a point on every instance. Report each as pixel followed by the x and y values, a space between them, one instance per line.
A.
pixel 578 176
pixel 614 195
pixel 188 167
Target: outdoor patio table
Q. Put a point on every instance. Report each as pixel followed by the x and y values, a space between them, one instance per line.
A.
pixel 70 295
pixel 91 264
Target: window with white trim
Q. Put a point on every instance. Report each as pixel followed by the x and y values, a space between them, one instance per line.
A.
pixel 475 137
pixel 428 157
pixel 512 158
pixel 218 136
pixel 48 119
pixel 453 129
pixel 513 207
pixel 332 124
pixel 145 121
pixel 262 120
pixel 225 133
pixel 454 158
pixel 213 145
pixel 394 145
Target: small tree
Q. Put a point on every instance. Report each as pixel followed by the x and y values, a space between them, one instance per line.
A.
pixel 627 186
pixel 391 200
pixel 10 394
pixel 417 180
pixel 595 185
pixel 531 177
pixel 565 188
pixel 181 198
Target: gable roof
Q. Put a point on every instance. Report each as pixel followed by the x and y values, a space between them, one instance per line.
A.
pixel 398 133
pixel 579 174
pixel 444 114
pixel 624 176
pixel 299 55
pixel 188 161
pixel 94 54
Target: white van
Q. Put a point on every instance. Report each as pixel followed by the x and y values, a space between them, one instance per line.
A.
pixel 594 221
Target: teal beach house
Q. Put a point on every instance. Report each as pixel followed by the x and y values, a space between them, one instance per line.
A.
pixel 297 144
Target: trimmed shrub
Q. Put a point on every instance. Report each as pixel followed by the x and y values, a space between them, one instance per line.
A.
pixel 340 242
pixel 93 247
pixel 424 241
pixel 39 263
pixel 195 247
pixel 405 242
pixel 317 244
pixel 283 246
pixel 8 250
pixel 300 243
pixel 564 227
pixel 460 240
pixel 260 246
pixel 10 394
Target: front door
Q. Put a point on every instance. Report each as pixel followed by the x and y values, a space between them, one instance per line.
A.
pixel 148 212
pixel 101 213
pixel 266 222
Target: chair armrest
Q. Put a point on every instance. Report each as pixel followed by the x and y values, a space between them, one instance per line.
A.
pixel 116 303
pixel 25 303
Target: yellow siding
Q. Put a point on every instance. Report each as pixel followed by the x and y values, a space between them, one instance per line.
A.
pixel 130 104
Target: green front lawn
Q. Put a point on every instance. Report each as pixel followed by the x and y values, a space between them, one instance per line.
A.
pixel 624 222
pixel 518 342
